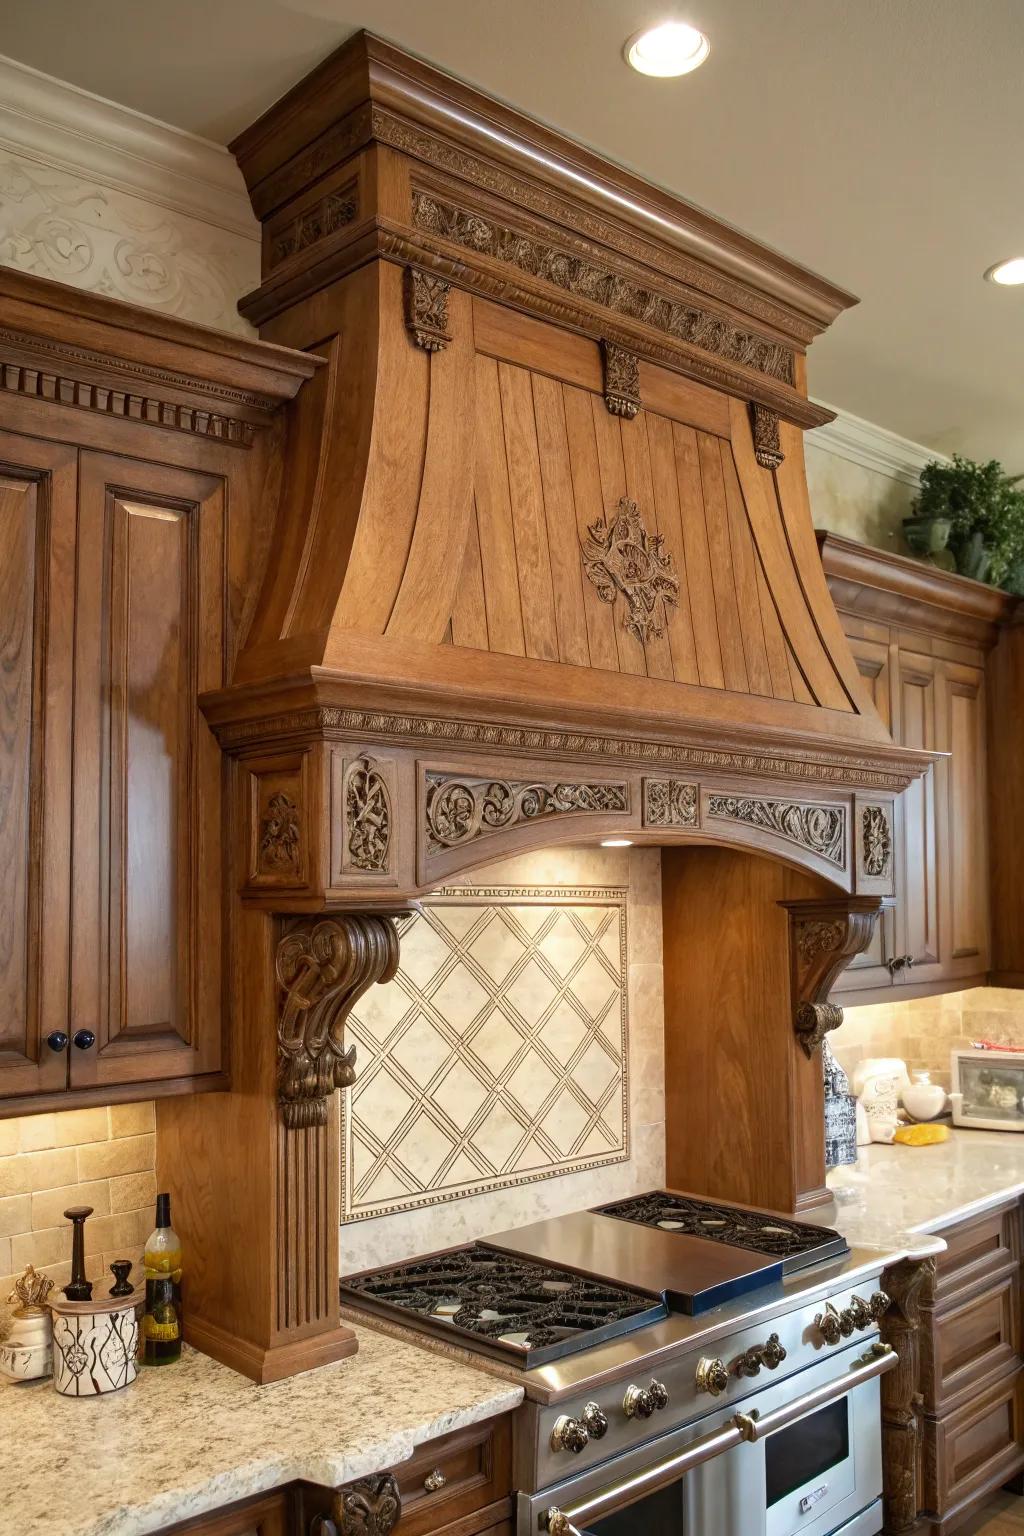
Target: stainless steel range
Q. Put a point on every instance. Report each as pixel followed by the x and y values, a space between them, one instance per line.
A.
pixel 690 1368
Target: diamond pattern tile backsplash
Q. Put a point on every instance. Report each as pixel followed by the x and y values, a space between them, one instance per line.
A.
pixel 497 1056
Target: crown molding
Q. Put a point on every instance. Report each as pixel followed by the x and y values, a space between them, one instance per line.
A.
pixel 872 447
pixel 57 124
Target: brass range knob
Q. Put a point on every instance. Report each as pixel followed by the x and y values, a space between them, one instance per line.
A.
pixel 861 1313
pixel 879 1304
pixel 641 1402
pixel 830 1324
pixel 771 1354
pixel 712 1376
pixel 574 1435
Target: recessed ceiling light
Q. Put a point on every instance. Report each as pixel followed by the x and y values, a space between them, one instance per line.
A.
pixel 674 48
pixel 616 842
pixel 1008 274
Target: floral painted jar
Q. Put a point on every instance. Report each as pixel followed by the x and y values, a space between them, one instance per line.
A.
pixel 95 1344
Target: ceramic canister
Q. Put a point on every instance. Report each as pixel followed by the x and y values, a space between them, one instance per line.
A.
pixel 878 1082
pixel 95 1344
pixel 25 1336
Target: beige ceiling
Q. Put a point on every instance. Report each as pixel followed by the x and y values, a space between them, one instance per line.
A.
pixel 880 142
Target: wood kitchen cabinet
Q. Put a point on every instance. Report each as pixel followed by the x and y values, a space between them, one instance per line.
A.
pixel 921 639
pixel 126 522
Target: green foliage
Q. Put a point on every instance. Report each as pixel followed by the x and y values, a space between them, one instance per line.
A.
pixel 986 513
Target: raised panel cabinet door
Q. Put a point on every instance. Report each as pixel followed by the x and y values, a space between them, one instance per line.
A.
pixel 964 830
pixel 37 598
pixel 146 889
pixel 919 815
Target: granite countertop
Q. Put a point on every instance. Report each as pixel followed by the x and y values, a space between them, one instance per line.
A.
pixel 902 1197
pixel 193 1437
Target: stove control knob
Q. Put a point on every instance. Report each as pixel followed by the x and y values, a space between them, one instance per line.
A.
pixel 879 1304
pixel 861 1312
pixel 595 1420
pixel 773 1352
pixel 640 1402
pixel 712 1376
pixel 570 1435
pixel 829 1325
pixel 770 1354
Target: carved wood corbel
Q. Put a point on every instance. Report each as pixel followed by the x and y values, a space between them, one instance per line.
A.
pixel 323 967
pixel 426 309
pixel 906 1284
pixel 824 938
pixel 621 380
pixel 767 447
pixel 370 1506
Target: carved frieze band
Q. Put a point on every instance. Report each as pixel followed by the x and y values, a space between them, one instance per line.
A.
pixel 460 810
pixel 370 1506
pixel 368 816
pixel 323 967
pixel 279 835
pixel 621 380
pixel 670 803
pixel 620 556
pixel 767 447
pixel 588 279
pixel 819 828
pixel 426 309
pixel 331 213
pixel 876 840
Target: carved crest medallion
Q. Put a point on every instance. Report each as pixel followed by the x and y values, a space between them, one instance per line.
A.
pixel 279 834
pixel 368 811
pixel 670 803
pixel 622 557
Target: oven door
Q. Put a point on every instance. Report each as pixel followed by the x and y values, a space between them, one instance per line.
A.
pixel 803 1456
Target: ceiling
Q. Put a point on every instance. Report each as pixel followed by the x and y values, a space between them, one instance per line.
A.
pixel 877 141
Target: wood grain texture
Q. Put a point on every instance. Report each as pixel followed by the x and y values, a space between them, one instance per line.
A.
pixel 562 530
pixel 1004 686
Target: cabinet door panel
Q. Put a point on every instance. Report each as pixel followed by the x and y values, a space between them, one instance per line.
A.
pixel 966 826
pixel 146 913
pixel 915 725
pixel 37 526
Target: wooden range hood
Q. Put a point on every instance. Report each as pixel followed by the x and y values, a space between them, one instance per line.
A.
pixel 544 570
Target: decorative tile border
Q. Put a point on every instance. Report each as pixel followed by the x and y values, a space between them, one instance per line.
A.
pixel 498 1055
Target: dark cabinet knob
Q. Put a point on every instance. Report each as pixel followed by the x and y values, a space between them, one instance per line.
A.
pixel 84 1039
pixel 57 1041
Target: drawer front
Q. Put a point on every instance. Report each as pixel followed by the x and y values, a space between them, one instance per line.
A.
pixel 967 1453
pixel 266 1515
pixel 973 1338
pixel 979 1248
pixel 454 1476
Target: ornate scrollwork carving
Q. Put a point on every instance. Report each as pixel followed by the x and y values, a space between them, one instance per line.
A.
pixel 819 828
pixel 621 380
pixel 670 803
pixel 458 810
pixel 323 968
pixel 370 1506
pixel 824 937
pixel 767 449
pixel 813 1022
pixel 279 834
pixel 818 938
pixel 368 815
pixel 333 212
pixel 876 841
pixel 909 1284
pixel 426 309
pixel 586 279
pixel 621 556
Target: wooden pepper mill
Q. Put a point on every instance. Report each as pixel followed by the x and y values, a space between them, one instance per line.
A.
pixel 78 1287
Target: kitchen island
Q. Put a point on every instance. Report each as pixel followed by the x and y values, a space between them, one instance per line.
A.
pixel 196 1437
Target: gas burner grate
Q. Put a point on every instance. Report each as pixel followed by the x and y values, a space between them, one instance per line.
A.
pixel 797 1241
pixel 513 1307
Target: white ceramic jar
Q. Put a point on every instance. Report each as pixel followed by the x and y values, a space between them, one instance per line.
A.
pixel 95 1344
pixel 923 1099
pixel 25 1352
pixel 878 1082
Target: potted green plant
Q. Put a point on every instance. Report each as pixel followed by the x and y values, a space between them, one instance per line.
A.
pixel 977 510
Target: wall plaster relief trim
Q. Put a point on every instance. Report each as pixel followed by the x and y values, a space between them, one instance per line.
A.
pixel 454 924
pixel 873 447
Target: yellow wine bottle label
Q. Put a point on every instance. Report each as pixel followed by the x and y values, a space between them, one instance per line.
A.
pixel 153 1329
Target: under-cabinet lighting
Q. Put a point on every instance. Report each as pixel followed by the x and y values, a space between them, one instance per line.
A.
pixel 673 48
pixel 616 842
pixel 1008 274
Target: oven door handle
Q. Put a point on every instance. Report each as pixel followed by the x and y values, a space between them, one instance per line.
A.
pixel 740 1428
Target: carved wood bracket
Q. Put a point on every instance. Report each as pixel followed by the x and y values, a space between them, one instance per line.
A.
pixel 824 937
pixel 323 968
pixel 621 380
pixel 767 447
pixel 426 309
pixel 370 1506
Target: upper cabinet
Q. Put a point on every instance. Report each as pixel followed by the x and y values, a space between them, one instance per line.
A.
pixel 127 523
pixel 921 639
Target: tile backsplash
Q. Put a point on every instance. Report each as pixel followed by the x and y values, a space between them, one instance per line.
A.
pixel 515 1067
pixel 101 1157
pixel 923 1031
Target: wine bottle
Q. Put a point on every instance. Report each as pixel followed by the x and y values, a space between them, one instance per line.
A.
pixel 161 1320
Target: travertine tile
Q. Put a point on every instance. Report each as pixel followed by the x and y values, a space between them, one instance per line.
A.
pixel 77 1126
pixel 41 1248
pixel 131 1119
pixel 6 1261
pixel 48 1206
pixel 131 1191
pixel 128 1154
pixel 30 1171
pixel 10 1137
pixel 36 1132
pixel 15 1216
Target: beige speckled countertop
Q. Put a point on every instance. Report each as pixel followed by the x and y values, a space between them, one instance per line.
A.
pixel 196 1436
pixel 902 1197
